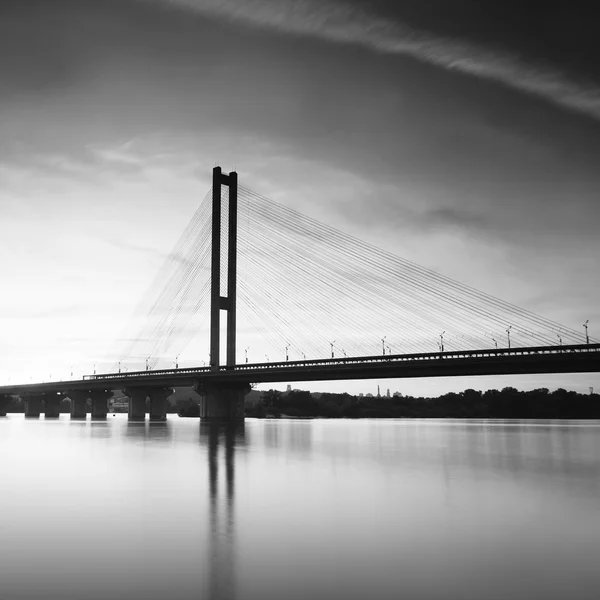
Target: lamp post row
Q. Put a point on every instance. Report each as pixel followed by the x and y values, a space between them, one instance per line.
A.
pixel 384 347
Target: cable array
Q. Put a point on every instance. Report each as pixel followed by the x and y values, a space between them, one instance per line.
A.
pixel 308 290
pixel 174 308
pixel 317 291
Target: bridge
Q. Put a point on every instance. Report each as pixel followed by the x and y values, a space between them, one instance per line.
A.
pixel 291 258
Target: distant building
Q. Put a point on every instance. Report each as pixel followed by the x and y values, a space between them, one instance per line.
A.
pixel 119 404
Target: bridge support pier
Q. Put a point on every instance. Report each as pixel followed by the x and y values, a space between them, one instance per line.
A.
pixel 78 403
pixel 100 403
pixel 52 404
pixel 158 403
pixel 4 402
pixel 222 401
pixel 32 404
pixel 137 403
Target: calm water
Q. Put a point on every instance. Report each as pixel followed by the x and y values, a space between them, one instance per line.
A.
pixel 299 509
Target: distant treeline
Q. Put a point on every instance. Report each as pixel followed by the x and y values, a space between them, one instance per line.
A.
pixel 507 403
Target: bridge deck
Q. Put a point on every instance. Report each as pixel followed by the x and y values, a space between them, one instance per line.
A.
pixel 513 361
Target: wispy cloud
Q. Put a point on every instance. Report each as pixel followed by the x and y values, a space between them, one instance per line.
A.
pixel 344 23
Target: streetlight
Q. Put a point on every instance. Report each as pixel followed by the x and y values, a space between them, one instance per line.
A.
pixel 267 358
pixel 147 363
pixel 559 339
pixel 587 337
pixel 389 350
pixel 508 335
pixel 442 341
pixel 344 353
pixel 94 368
pixel 119 367
pixel 71 370
pixel 287 357
pixel 177 362
pixel 383 344
pixel 246 351
pixel 332 352
pixel 304 356
pixel 495 342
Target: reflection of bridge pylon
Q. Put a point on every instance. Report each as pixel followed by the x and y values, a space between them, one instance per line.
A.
pixel 221 552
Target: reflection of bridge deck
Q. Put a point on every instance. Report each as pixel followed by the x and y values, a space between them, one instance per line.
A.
pixel 513 361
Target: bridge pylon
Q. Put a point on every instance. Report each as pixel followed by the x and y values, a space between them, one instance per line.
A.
pixel 217 301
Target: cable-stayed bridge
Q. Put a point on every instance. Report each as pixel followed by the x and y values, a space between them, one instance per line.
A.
pixel 330 305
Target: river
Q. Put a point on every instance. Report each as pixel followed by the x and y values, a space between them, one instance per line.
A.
pixel 296 509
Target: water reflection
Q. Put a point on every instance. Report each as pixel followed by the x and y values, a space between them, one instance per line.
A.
pixel 221 551
pixel 299 509
pixel 150 431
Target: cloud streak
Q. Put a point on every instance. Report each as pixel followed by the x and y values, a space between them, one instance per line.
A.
pixel 344 23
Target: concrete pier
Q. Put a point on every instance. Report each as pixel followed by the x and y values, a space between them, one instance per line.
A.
pixel 137 403
pixel 222 402
pixel 100 403
pixel 32 403
pixel 158 403
pixel 78 403
pixel 4 402
pixel 52 402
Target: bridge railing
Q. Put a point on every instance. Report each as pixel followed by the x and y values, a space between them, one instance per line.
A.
pixel 358 360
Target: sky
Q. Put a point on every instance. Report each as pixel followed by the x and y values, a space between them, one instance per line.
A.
pixel 462 135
